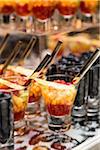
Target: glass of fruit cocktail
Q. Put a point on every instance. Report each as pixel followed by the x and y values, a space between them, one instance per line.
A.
pixel 59 97
pixel 23 10
pixel 89 9
pixel 7 8
pixel 42 10
pixel 68 10
pixel 19 100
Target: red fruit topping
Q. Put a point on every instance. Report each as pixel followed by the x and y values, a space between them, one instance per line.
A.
pixel 59 110
pixel 19 115
pixel 62 82
pixel 22 10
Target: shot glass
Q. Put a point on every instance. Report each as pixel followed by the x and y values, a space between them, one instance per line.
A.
pixel 6 121
pixel 20 101
pixel 59 98
pixel 33 106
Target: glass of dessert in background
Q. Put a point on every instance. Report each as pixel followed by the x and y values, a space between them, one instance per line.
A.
pixel 68 10
pixel 42 10
pixel 89 9
pixel 19 100
pixel 7 9
pixel 23 10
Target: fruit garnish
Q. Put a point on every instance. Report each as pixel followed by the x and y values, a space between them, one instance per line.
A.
pixel 54 84
pixel 21 70
pixel 11 85
pixel 62 82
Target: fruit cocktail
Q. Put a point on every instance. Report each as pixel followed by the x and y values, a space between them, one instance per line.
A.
pixel 59 97
pixel 19 100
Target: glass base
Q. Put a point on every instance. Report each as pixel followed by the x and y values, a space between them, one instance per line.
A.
pixel 59 123
pixel 42 27
pixel 8 143
pixel 32 108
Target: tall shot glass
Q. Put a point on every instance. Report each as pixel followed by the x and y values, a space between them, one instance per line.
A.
pixel 33 106
pixel 59 98
pixel 20 101
pixel 6 121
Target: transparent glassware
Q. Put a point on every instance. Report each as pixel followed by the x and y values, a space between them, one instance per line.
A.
pixel 23 10
pixel 68 10
pixel 19 100
pixel 88 9
pixel 7 9
pixel 33 106
pixel 42 10
pixel 33 101
pixel 59 98
pixel 6 121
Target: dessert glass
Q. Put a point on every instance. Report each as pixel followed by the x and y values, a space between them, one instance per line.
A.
pixel 59 98
pixel 20 101
pixel 89 10
pixel 23 10
pixel 68 10
pixel 7 8
pixel 42 10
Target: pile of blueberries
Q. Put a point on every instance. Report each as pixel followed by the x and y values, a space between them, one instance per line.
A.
pixel 69 65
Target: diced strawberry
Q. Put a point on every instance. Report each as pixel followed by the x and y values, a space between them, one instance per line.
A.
pixel 62 82
pixel 59 110
pixel 31 99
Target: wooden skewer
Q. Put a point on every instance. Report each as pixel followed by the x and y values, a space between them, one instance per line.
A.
pixel 44 63
pixel 11 56
pixel 87 66
pixel 4 42
pixel 28 49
